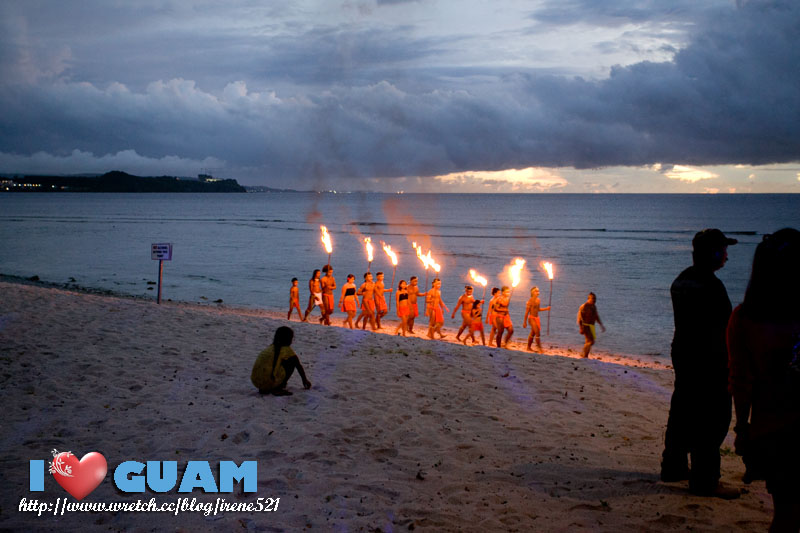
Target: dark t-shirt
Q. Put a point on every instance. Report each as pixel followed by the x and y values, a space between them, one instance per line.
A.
pixel 702 309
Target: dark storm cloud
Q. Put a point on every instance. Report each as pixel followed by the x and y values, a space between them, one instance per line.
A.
pixel 620 12
pixel 729 96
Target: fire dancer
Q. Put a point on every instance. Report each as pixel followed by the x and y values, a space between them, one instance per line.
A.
pixel 348 301
pixel 587 316
pixel 436 310
pixel 502 320
pixel 402 307
pixel 465 303
pixel 328 285
pixel 367 293
pixel 490 313
pixel 532 309
pixel 476 314
pixel 413 309
pixel 294 300
pixel 315 294
pixel 380 299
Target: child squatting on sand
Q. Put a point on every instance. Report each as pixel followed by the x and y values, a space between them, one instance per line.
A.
pixel 276 364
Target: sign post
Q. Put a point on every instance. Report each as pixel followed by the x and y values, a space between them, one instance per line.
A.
pixel 162 252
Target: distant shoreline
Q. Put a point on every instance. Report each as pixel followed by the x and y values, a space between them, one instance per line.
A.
pixel 119 182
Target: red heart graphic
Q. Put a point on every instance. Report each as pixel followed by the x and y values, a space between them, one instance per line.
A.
pixel 79 478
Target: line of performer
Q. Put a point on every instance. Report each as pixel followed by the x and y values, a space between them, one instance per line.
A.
pixel 368 301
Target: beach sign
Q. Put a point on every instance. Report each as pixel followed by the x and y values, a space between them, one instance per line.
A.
pixel 161 252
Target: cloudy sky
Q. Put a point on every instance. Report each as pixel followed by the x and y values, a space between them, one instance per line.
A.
pixel 414 95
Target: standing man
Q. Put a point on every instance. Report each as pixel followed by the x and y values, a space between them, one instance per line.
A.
pixel 380 300
pixel 532 309
pixel 502 320
pixel 465 303
pixel 700 410
pixel 436 309
pixel 314 295
pixel 413 309
pixel 587 316
pixel 328 285
pixel 367 293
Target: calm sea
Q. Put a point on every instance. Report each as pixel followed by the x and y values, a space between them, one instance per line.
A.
pixel 245 248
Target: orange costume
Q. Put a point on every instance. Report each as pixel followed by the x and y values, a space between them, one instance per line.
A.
pixel 402 306
pixel 380 301
pixel 349 302
pixel 501 312
pixel 328 301
pixel 438 316
pixel 490 312
pixel 368 305
pixel 477 321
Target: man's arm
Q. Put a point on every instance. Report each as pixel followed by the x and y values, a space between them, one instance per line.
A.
pixel 460 299
pixel 527 311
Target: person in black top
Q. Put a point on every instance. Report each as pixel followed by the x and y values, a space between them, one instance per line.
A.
pixel 700 410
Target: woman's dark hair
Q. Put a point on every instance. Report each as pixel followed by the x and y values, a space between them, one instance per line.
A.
pixel 475 304
pixel 774 287
pixel 495 290
pixel 400 284
pixel 314 274
pixel 350 276
pixel 283 337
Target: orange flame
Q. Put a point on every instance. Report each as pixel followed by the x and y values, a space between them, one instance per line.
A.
pixel 390 253
pixel 422 258
pixel 477 278
pixel 426 259
pixel 326 239
pixel 548 267
pixel 516 271
pixel 433 263
pixel 368 244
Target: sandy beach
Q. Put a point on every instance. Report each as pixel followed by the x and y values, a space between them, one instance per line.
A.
pixel 396 434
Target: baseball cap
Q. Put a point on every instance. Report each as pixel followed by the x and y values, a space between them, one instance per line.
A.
pixel 708 239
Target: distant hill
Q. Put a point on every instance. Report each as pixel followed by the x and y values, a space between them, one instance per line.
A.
pixel 117 181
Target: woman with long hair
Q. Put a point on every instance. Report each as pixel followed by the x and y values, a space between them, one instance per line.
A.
pixel 276 364
pixel 348 301
pixel 315 294
pixel 764 364
pixel 403 307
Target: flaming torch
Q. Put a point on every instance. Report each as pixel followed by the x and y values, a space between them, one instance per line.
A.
pixel 326 240
pixel 368 244
pixel 548 267
pixel 428 262
pixel 477 278
pixel 516 273
pixel 393 257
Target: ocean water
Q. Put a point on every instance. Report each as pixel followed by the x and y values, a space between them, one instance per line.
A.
pixel 245 248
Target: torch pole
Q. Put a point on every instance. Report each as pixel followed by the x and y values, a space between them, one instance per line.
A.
pixel 426 291
pixel 549 303
pixel 484 293
pixel 369 266
pixel 394 271
pixel 329 260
